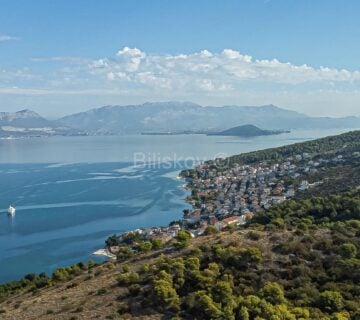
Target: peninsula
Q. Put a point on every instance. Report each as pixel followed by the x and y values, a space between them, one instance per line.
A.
pixel 273 234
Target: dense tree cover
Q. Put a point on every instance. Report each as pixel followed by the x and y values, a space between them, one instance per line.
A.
pixel 298 260
pixel 303 261
pixel 348 142
pixel 317 210
pixel 131 243
pixel 308 268
pixel 335 179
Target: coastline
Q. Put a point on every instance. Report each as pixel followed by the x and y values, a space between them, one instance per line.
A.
pixel 228 194
pixel 99 241
pixel 104 253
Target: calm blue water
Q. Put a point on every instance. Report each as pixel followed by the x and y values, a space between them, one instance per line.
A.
pixel 71 193
pixel 66 212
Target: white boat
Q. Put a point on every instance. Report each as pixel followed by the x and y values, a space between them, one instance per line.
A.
pixel 11 211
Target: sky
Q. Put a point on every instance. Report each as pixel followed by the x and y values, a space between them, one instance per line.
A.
pixel 62 56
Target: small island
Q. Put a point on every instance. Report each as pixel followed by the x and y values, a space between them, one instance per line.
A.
pixel 246 131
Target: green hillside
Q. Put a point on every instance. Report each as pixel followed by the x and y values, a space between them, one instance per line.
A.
pixel 296 260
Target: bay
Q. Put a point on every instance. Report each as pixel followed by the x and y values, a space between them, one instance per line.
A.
pixel 70 193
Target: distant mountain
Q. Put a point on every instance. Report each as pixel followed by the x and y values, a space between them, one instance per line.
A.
pixel 27 123
pixel 164 117
pixel 187 116
pixel 246 131
pixel 25 118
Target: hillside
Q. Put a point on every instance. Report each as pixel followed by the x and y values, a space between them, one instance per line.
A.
pixel 245 131
pixel 333 161
pixel 349 141
pixel 298 259
pixel 294 262
pixel 187 116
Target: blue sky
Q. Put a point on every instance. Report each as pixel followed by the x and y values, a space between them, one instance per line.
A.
pixel 58 57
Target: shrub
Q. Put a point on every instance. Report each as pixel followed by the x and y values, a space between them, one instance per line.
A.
pixel 273 293
pixel 182 239
pixel 157 244
pixel 125 268
pixel 60 274
pixel 331 301
pixel 124 253
pixel 101 291
pixel 211 230
pixel 252 235
pixel 348 251
pixel 91 264
pixel 166 295
pixel 128 278
pixel 145 246
pixel 134 289
pixel 123 308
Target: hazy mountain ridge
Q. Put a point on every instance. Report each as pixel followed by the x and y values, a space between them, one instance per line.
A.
pixel 165 117
pixel 27 123
pixel 22 114
pixel 183 116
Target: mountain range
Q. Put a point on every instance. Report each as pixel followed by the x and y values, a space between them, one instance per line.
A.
pixel 27 123
pixel 187 116
pixel 165 117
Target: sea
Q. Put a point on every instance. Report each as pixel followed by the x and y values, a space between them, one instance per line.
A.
pixel 71 193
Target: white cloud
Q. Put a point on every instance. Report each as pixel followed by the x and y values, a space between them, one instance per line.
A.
pixel 60 92
pixel 236 55
pixel 130 59
pixel 110 75
pixel 11 75
pixel 207 85
pixel 62 59
pixel 5 37
pixel 227 69
pixel 99 64
pixel 225 77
